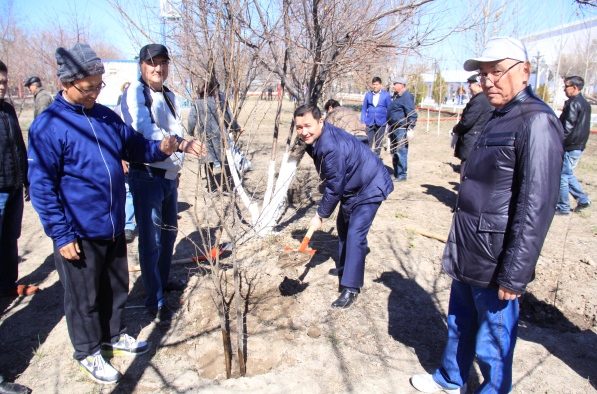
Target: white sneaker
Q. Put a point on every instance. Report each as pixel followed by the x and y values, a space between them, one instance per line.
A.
pixel 99 369
pixel 126 345
pixel 426 384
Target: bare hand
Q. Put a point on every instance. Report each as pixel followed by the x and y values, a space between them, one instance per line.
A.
pixel 316 222
pixel 169 145
pixel 125 167
pixel 193 147
pixel 507 294
pixel 70 251
pixel 26 194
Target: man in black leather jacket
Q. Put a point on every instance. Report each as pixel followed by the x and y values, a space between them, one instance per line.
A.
pixel 576 119
pixel 13 187
pixel 474 117
pixel 505 206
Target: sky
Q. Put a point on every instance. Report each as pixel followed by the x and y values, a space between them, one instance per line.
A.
pixel 524 17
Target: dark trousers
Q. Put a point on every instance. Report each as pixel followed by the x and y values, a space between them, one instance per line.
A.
pixel 375 136
pixel 95 291
pixel 215 180
pixel 352 242
pixel 11 216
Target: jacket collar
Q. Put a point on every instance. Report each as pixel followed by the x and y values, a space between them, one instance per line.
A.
pixel 62 102
pixel 519 98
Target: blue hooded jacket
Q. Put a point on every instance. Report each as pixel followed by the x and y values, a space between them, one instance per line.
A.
pixel 75 170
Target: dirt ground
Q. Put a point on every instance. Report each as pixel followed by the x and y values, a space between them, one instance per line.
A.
pixel 295 341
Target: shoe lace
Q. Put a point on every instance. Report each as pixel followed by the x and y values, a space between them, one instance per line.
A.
pixel 99 363
pixel 127 341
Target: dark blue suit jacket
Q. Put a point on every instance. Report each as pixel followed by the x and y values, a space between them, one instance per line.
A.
pixel 353 174
pixel 371 114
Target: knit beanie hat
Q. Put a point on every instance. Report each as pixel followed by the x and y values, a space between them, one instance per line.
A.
pixel 78 62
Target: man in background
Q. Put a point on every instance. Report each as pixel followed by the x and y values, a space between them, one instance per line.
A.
pixel 41 98
pixel 345 119
pixel 474 117
pixel 373 114
pixel 576 119
pixel 402 118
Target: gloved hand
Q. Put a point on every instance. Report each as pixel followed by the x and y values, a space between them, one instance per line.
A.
pixel 410 134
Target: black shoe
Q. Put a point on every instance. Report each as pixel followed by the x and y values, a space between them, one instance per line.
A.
pixel 174 286
pixel 12 388
pixel 561 212
pixel 129 235
pixel 580 207
pixel 346 299
pixel 162 315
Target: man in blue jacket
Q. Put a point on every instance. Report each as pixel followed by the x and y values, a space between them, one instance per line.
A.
pixel 77 187
pixel 402 118
pixel 373 114
pixel 354 178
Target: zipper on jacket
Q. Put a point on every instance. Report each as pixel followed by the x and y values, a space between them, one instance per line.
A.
pixel 109 175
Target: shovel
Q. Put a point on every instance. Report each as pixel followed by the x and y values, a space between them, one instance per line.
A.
pixel 294 257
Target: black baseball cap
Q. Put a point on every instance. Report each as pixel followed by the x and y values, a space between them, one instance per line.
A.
pixel 31 80
pixel 152 50
pixel 473 79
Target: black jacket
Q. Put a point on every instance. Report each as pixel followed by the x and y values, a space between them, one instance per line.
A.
pixel 507 196
pixel 13 154
pixel 474 117
pixel 576 119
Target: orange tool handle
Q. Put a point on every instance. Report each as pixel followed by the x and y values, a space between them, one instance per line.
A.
pixel 306 240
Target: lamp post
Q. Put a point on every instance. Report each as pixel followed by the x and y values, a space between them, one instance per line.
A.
pixel 538 62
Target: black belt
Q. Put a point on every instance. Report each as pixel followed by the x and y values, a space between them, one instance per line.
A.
pixel 148 169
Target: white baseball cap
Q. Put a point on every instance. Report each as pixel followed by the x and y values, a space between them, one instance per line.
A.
pixel 499 48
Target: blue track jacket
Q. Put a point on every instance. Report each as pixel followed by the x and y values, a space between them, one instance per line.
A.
pixel 353 174
pixel 75 170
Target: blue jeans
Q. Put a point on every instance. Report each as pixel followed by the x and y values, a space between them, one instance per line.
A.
pixel 156 209
pixel 568 182
pixel 129 208
pixel 482 324
pixel 399 151
pixel 11 216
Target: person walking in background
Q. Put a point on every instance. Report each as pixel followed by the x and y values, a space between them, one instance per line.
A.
pixel 129 208
pixel 374 113
pixel 402 118
pixel 346 119
pixel 204 122
pixel 474 117
pixel 150 108
pixel 76 148
pixel 41 98
pixel 504 208
pixel 14 187
pixel 576 119
pixel 356 179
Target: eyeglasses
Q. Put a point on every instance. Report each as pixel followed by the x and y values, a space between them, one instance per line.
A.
pixel 496 75
pixel 91 91
pixel 163 63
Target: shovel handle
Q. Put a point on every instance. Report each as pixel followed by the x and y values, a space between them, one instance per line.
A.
pixel 307 238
